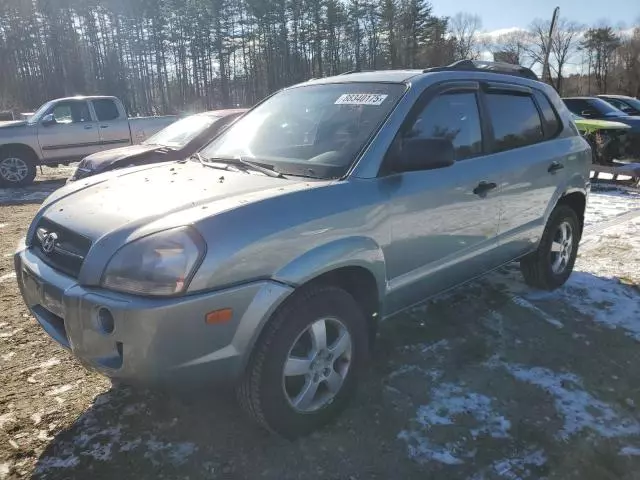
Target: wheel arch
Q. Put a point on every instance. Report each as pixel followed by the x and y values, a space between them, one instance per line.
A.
pixel 20 147
pixel 356 265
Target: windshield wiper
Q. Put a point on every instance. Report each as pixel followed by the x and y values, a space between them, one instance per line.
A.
pixel 241 161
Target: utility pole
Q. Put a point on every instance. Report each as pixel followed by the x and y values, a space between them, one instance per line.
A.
pixel 546 70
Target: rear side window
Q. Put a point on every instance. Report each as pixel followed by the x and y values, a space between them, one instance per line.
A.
pixel 549 115
pixel 577 105
pixel 515 119
pixel 106 109
pixel 454 116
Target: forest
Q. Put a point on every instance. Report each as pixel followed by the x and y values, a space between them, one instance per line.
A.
pixel 177 56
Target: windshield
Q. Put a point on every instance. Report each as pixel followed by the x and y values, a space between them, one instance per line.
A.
pixel 605 108
pixel 181 132
pixel 634 102
pixel 315 130
pixel 35 118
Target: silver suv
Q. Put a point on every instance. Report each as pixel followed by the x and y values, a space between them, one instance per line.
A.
pixel 268 258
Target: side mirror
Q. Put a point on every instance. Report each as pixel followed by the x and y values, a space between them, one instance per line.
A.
pixel 48 120
pixel 425 154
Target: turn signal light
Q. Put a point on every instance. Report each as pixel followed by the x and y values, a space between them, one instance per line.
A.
pixel 218 316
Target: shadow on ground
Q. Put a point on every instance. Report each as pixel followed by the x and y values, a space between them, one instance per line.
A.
pixel 33 194
pixel 489 381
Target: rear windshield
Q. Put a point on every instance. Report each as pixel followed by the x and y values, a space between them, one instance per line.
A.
pixel 315 130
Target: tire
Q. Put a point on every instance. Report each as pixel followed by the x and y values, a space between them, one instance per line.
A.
pixel 17 167
pixel 538 267
pixel 268 396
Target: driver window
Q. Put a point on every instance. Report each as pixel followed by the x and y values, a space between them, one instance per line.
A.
pixel 71 112
pixel 453 116
pixel 618 104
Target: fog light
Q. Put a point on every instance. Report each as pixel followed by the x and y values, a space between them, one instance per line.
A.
pixel 105 320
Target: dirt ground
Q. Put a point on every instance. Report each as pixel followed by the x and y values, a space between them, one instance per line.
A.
pixel 492 381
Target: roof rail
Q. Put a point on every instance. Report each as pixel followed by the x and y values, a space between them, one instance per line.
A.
pixel 497 67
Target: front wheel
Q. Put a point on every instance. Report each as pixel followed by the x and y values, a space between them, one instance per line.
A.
pixel 304 368
pixel 551 264
pixel 17 169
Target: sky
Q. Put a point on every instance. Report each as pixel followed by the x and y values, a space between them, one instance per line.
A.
pixel 504 14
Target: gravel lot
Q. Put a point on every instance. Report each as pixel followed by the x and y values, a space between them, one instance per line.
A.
pixel 492 381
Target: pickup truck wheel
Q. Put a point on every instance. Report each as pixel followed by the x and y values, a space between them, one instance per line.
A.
pixel 17 168
pixel 304 368
pixel 551 264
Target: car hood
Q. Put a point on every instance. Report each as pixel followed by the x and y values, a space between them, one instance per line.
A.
pixel 100 160
pixel 590 126
pixel 633 122
pixel 156 197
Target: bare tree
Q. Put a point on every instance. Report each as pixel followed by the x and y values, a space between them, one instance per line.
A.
pixel 564 43
pixel 510 47
pixel 465 29
pixel 629 53
pixel 602 42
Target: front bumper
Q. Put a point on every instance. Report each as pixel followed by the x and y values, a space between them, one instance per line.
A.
pixel 163 342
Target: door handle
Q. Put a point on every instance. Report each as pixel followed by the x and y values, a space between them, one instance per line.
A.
pixel 88 127
pixel 104 126
pixel 554 167
pixel 484 187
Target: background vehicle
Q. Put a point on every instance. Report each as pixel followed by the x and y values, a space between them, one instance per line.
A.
pixel 605 138
pixel 67 129
pixel 269 260
pixel 629 105
pixel 593 108
pixel 177 141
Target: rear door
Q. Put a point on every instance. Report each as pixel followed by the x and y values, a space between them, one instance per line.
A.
pixel 113 124
pixel 73 135
pixel 443 226
pixel 533 165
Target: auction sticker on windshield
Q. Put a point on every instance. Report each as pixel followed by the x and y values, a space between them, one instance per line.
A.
pixel 360 99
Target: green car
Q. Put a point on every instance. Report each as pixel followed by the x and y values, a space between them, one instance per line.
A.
pixel 606 138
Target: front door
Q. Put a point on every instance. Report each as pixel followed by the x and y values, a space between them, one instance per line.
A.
pixel 73 135
pixel 444 221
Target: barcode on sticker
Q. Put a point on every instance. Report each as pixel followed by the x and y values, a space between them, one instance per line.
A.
pixel 360 99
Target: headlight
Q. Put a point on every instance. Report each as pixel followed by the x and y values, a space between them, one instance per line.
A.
pixel 160 264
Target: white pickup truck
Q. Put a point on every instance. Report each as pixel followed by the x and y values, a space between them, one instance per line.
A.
pixel 65 130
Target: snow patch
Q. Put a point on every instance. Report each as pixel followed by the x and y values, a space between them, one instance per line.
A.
pixel 580 409
pixel 2 225
pixel 6 418
pixel 517 468
pixel 7 276
pixel 59 390
pixel 48 463
pixel 605 206
pixel 5 468
pixel 11 333
pixel 605 300
pixel 7 356
pixel 433 373
pixel 52 362
pixel 447 402
pixel 44 436
pixel 178 453
pixel 630 451
pixel 547 318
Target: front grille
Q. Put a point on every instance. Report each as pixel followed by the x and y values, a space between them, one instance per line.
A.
pixel 65 250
